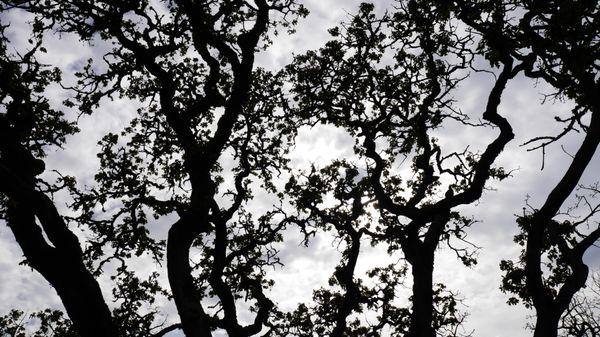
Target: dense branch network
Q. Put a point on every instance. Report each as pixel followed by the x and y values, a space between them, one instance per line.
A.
pixel 191 65
pixel 388 81
pixel 210 128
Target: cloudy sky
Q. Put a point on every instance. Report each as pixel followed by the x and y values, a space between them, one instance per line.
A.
pixel 309 268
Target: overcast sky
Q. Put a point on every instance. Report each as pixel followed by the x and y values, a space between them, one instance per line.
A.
pixel 308 268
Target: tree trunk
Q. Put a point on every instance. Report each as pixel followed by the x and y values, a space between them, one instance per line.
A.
pixel 546 324
pixel 422 298
pixel 84 303
pixel 185 294
pixel 65 271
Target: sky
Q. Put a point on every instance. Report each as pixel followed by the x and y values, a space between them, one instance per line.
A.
pixel 308 268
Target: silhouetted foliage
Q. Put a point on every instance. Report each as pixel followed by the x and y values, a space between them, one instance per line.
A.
pixel 191 66
pixel 210 130
pixel 389 81
pixel 47 323
pixel 560 39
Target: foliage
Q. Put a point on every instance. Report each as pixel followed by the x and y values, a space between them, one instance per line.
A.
pixel 47 323
pixel 210 130
pixel 388 81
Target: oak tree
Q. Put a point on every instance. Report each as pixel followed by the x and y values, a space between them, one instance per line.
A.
pixel 560 38
pixel 210 129
pixel 388 81
pixel 191 65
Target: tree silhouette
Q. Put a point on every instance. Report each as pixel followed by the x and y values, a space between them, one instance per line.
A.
pixel 28 124
pixel 561 39
pixel 192 65
pixel 569 61
pixel 389 81
pixel 211 128
pixel 50 323
pixel 581 318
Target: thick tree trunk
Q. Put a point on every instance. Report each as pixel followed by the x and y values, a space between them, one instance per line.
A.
pixel 422 314
pixel 84 303
pixel 185 294
pixel 58 256
pixel 65 271
pixel 546 324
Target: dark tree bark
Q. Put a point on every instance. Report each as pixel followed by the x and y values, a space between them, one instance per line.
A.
pixel 60 261
pixel 30 212
pixel 203 107
pixel 336 83
pixel 76 287
pixel 546 323
pixel 421 323
pixel 566 58
pixel 550 308
pixel 193 318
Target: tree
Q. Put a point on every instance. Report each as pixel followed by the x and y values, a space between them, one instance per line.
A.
pixel 50 323
pixel 27 125
pixel 192 66
pixel 212 127
pixel 388 81
pixel 570 65
pixel 581 318
pixel 561 40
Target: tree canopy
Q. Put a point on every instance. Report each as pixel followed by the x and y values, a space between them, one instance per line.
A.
pixel 209 134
